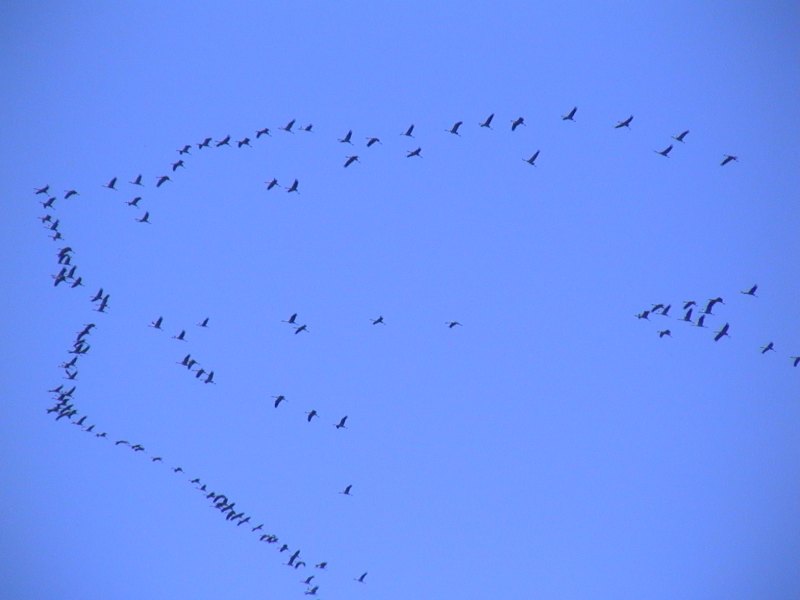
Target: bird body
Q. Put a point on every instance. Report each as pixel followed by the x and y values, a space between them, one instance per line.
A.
pixel 532 159
pixel 454 128
pixel 346 139
pixel 624 123
pixel 414 153
pixel 350 160
pixel 680 136
pixel 517 122
pixel 570 116
pixel 665 152
pixel 488 122
pixel 341 423
pixel 721 333
pixel 751 291
pixel 728 158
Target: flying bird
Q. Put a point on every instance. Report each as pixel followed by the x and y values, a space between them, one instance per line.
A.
pixel 378 321
pixel 795 360
pixel 203 323
pixel 414 153
pixel 680 136
pixel 224 141
pixel 293 187
pixel 300 329
pixel 162 180
pixel 767 348
pixel 49 202
pixel 244 142
pixel 751 291
pixel 210 378
pixel 350 160
pixel 728 158
pixel 181 336
pixel 721 333
pixel 134 202
pixel 645 314
pixel 688 316
pixel 409 132
pixel 264 131
pixel 271 184
pixel 42 190
pixel 288 126
pixel 372 140
pixel 711 304
pixel 454 128
pixel 346 490
pixel 177 164
pixel 665 152
pixel 205 143
pixel 570 116
pixel 701 319
pixel 664 332
pixel 70 193
pixel 346 139
pixel 111 183
pixel 185 149
pixel 291 319
pixel 157 323
pixel 360 578
pixel 517 122
pixel 532 159
pixel 279 399
pixel 311 414
pixel 307 128
pixel 625 123
pixel 451 324
pixel 341 423
pixel 145 218
pixel 488 122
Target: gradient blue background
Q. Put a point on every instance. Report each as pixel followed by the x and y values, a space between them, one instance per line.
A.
pixel 552 447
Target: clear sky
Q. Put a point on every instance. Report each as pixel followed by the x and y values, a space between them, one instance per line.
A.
pixel 552 446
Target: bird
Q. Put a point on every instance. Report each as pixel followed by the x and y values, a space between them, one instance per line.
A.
pixel 311 414
pixel 532 159
pixel 111 183
pixel 665 152
pixel 701 319
pixel 308 579
pixel 137 180
pixel 42 190
pixel 488 121
pixel 224 141
pixel 293 187
pixel 185 149
pixel 49 202
pixel 288 126
pixel 454 128
pixel 721 333
pixel 321 565
pixel 795 360
pixel 665 311
pixel 341 423
pixel 134 202
pixel 145 218
pixel 664 332
pixel 451 324
pixel 258 527
pixel 103 303
pixel 157 323
pixel 346 490
pixel 78 282
pixel 181 336
pixel 350 160
pixel 204 143
pixel 645 314
pixel 271 184
pixel 414 153
pixel 728 158
pixel 347 137
pixel 688 304
pixel 177 470
pixel 177 164
pixel 624 123
pixel 517 122
pixel 97 296
pixel 210 378
pixel 680 136
pixel 767 348
pixel 360 578
pixel 312 591
pixel 203 323
pixel 244 142
pixel 264 131
pixel 279 399
pixel 409 132
pixel 711 304
pixel 300 329
pixel 162 180
pixel 307 128
pixel 157 459
pixel 378 321
pixel 570 116
pixel 70 193
pixel 751 291
pixel 688 316
pixel 291 319
pixel 185 361
pixel 372 141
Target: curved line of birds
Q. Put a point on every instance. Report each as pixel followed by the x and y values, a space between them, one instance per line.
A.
pixel 455 129
pixel 690 306
pixel 65 408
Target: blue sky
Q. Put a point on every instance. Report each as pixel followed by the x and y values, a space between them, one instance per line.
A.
pixel 553 446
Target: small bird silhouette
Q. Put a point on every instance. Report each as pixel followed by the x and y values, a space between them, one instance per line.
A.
pixel 145 218
pixel 517 122
pixel 157 323
pixel 665 152
pixel 488 121
pixel 346 139
pixel 454 128
pixel 378 321
pixel 624 123
pixel 350 160
pixel 372 141
pixel 264 131
pixel 767 348
pixel 664 332
pixel 721 333
pixel 162 180
pixel 271 184
pixel 137 181
pixel 203 323
pixel 570 116
pixel 751 291
pixel 311 414
pixel 414 153
pixel 341 423
pixel 451 324
pixel 111 184
pixel 224 141
pixel 680 136
pixel 532 159
pixel 279 399
pixel 361 577
pixel 291 319
pixel 346 490
pixel 728 158
pixel 288 126
pixel 293 187
pixel 409 132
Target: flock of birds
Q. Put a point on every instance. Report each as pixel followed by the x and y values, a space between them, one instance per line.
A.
pixel 691 308
pixel 65 408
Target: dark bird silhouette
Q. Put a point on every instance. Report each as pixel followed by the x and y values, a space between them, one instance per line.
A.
pixel 157 323
pixel 517 122
pixel 350 160
pixel 346 139
pixel 721 333
pixel 162 180
pixel 532 159
pixel 70 194
pixel 664 332
pixel 264 131
pixel 224 141
pixel 279 399
pixel 488 122
pixel 118 442
pixel 78 282
pixel 137 181
pixel 203 323
pixel 258 527
pixel 680 136
pixel 205 143
pixel 244 142
pixel 111 184
pixel 665 311
pixel 767 348
pixel 313 590
pixel 181 336
pixel 307 128
pixel 570 116
pixel 700 321
pixel 665 152
pixel 145 218
pixel 346 490
pixel 157 459
pixel 186 359
pixel 377 321
pixel 409 132
pixel 97 296
pixel 210 378
pixel 300 328
pixel 728 158
pixel 625 123
pixel 177 164
pixel 414 153
pixel 795 360
pixel 291 319
pixel 372 141
pixel 42 190
pixel 185 149
pixel 360 578
pixel 751 291
pixel 711 304
pixel 341 423
pixel 49 202
pixel 271 184
pixel 688 316
pixel 177 470
pixel 645 314
pixel 311 414
pixel 199 373
pixel 103 303
pixel 454 128
pixel 288 126
pixel 134 202
pixel 293 187
pixel 688 304
pixel 308 579
pixel 451 324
